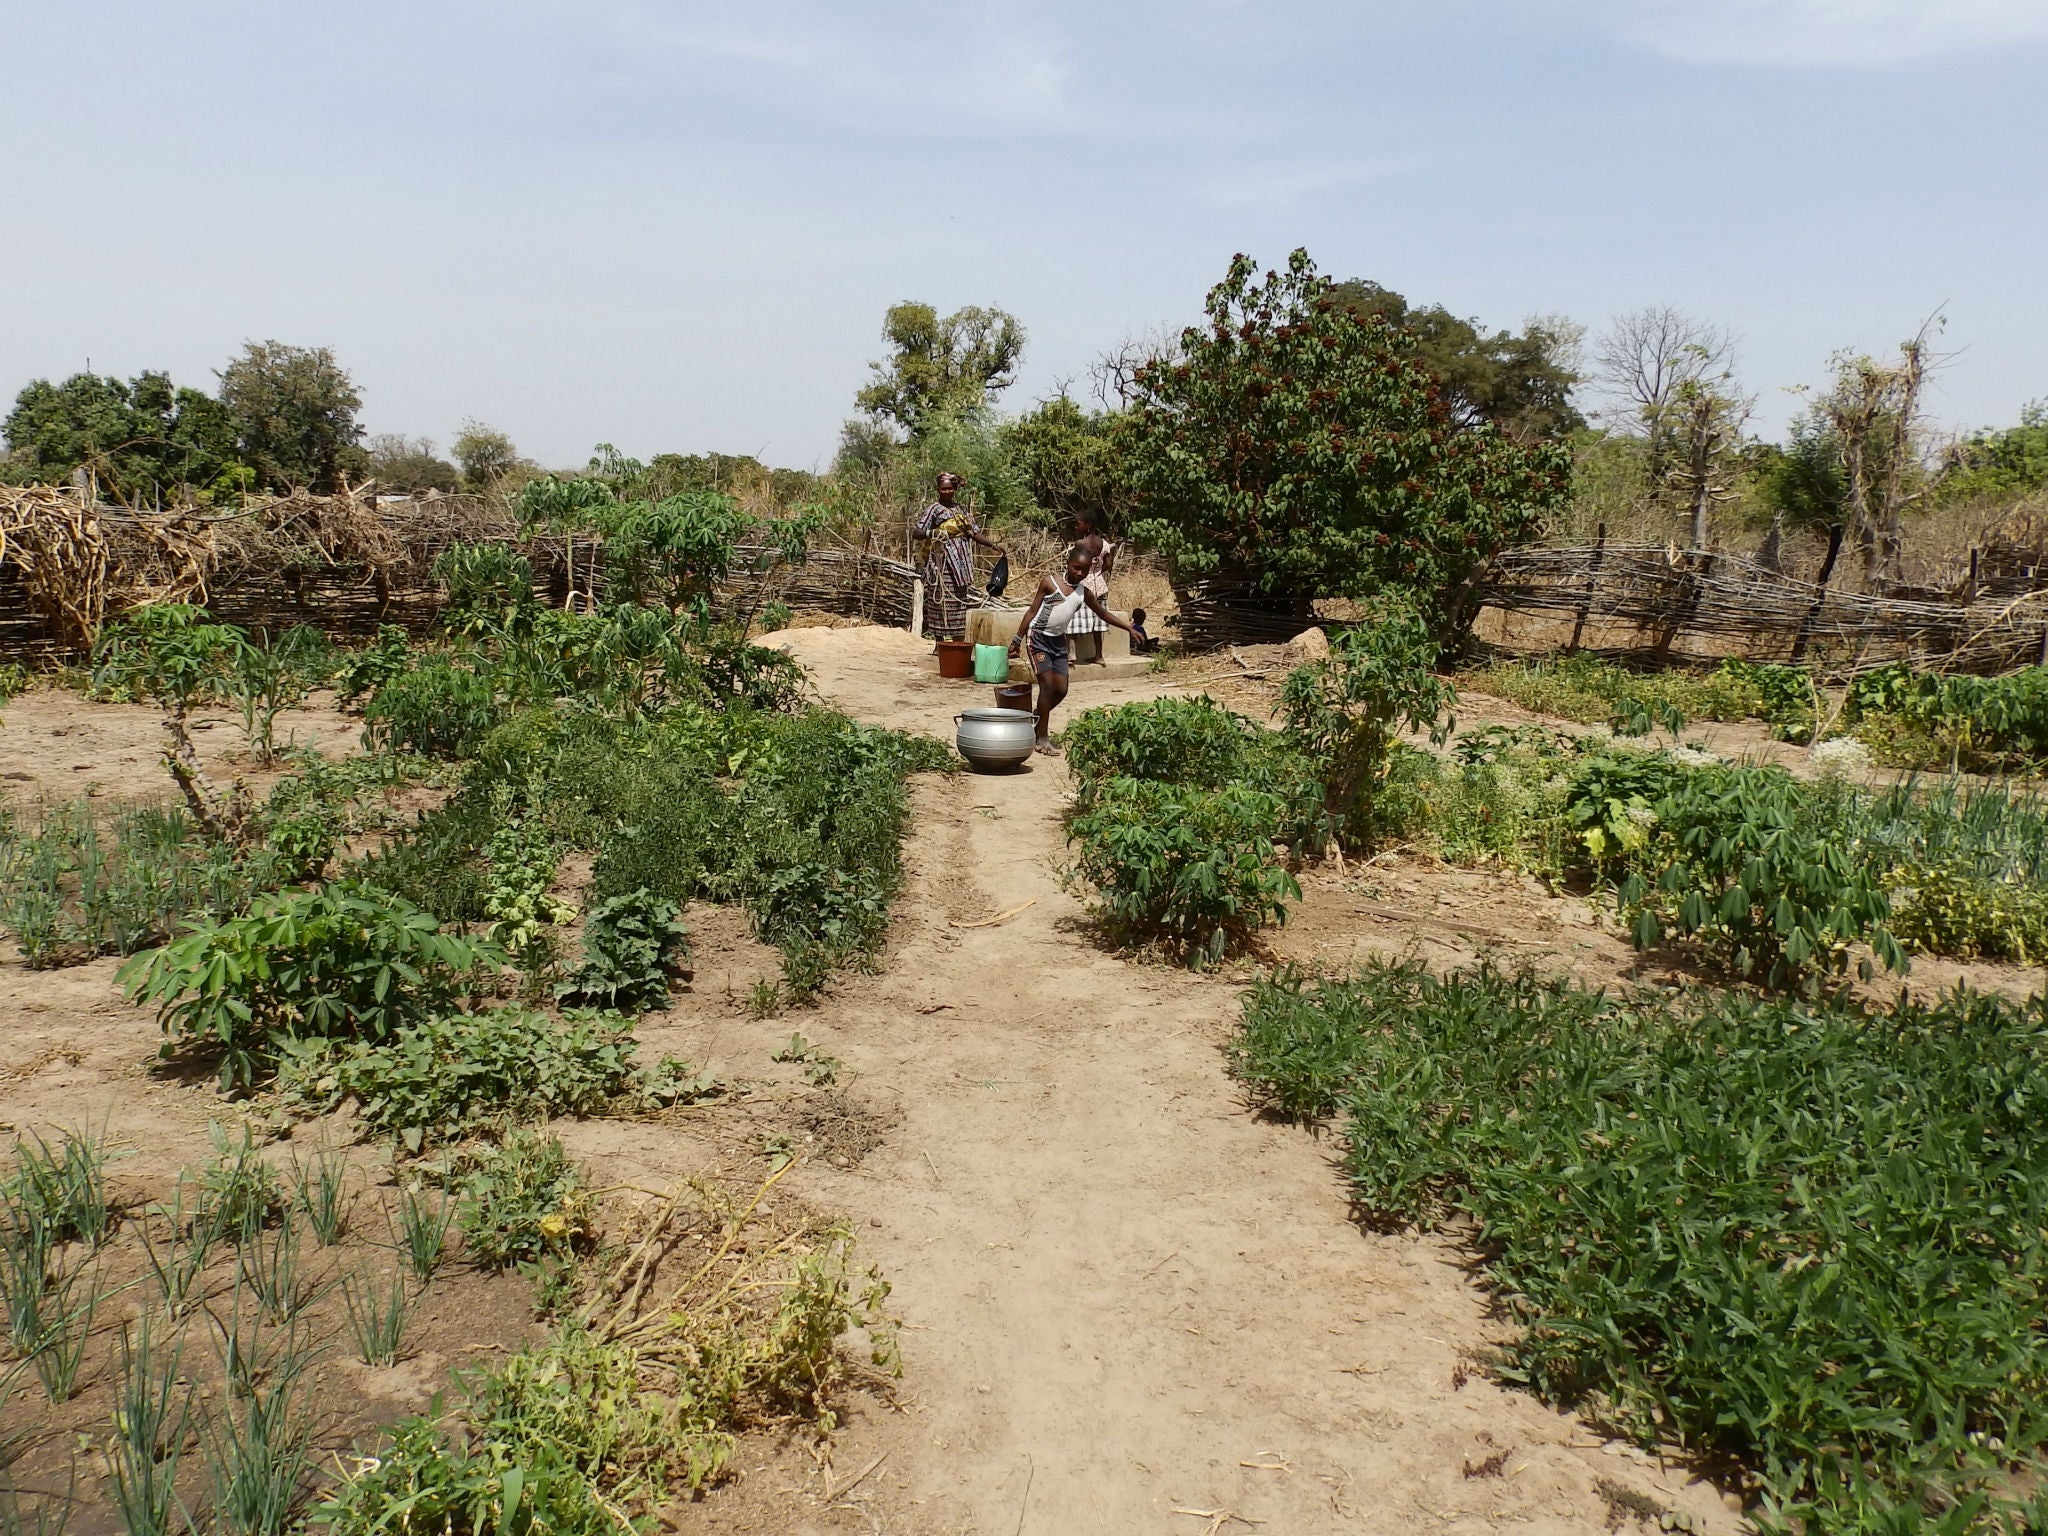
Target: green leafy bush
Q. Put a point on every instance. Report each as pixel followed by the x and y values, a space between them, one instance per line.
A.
pixel 1192 870
pixel 735 672
pixel 631 947
pixel 360 673
pixel 1918 719
pixel 1197 743
pixel 1813 1239
pixel 1500 799
pixel 437 709
pixel 1950 910
pixel 1788 697
pixel 490 588
pixel 522 1201
pixel 455 1073
pixel 431 1479
pixel 1346 712
pixel 173 653
pixel 1733 860
pixel 336 962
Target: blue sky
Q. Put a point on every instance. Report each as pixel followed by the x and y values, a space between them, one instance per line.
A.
pixel 676 226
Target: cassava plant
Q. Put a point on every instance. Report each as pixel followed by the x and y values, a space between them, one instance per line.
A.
pixel 177 655
pixel 337 961
pixel 1347 711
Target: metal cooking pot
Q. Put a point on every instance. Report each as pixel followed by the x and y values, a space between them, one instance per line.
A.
pixel 995 738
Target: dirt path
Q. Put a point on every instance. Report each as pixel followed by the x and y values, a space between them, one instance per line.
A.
pixel 1130 1305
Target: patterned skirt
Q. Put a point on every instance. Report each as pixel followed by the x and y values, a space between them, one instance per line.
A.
pixel 1085 622
pixel 945 600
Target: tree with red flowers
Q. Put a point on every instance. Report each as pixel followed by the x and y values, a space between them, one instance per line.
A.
pixel 1294 442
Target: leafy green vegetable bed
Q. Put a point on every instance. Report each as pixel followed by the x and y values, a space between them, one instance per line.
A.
pixel 1813 1238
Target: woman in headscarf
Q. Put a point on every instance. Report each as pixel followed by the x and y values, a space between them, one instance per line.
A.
pixel 951 533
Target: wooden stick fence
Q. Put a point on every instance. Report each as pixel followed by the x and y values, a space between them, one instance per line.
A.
pixel 344 563
pixel 1664 603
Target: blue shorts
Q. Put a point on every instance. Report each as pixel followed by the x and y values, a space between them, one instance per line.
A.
pixel 1048 652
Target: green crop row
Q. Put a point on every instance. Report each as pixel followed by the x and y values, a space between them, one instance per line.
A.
pixel 1814 1239
pixel 1907 719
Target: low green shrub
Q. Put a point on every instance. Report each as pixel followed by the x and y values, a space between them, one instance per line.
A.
pixel 360 673
pixel 1196 743
pixel 1732 860
pixel 1788 697
pixel 1500 799
pixel 446 1076
pixel 430 1479
pixel 1923 720
pixel 489 586
pixel 437 709
pixel 334 962
pixel 521 1202
pixel 797 818
pixel 1811 1238
pixel 1951 910
pixel 1191 870
pixel 632 945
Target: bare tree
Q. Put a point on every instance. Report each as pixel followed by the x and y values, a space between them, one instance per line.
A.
pixel 1113 376
pixel 1707 420
pixel 1873 410
pixel 1563 342
pixel 1643 361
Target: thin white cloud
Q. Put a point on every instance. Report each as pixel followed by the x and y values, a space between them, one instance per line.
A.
pixel 1826 33
pixel 1284 186
pixel 988 69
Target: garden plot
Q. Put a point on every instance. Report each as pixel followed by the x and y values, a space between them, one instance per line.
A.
pixel 1123 1300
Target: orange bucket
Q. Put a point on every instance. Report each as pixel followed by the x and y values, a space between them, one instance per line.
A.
pixel 956 659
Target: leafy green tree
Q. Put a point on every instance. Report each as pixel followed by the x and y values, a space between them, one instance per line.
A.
pixel 1298 444
pixel 1520 383
pixel 1070 460
pixel 402 463
pixel 1990 465
pixel 1802 481
pixel 941 367
pixel 486 456
pixel 295 416
pixel 139 439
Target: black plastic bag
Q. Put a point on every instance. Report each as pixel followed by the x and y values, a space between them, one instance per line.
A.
pixel 999 578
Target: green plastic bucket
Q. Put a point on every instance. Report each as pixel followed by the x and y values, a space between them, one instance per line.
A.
pixel 991 663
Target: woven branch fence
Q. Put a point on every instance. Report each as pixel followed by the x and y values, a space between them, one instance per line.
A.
pixel 1654 602
pixel 350 562
pixel 345 563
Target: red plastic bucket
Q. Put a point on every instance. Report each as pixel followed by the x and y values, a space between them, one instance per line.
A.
pixel 1013 696
pixel 956 659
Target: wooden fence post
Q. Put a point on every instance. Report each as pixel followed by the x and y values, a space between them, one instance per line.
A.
pixel 1688 604
pixel 1820 596
pixel 1592 581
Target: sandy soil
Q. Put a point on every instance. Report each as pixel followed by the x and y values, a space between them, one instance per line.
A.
pixel 1128 1304
pixel 54 746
